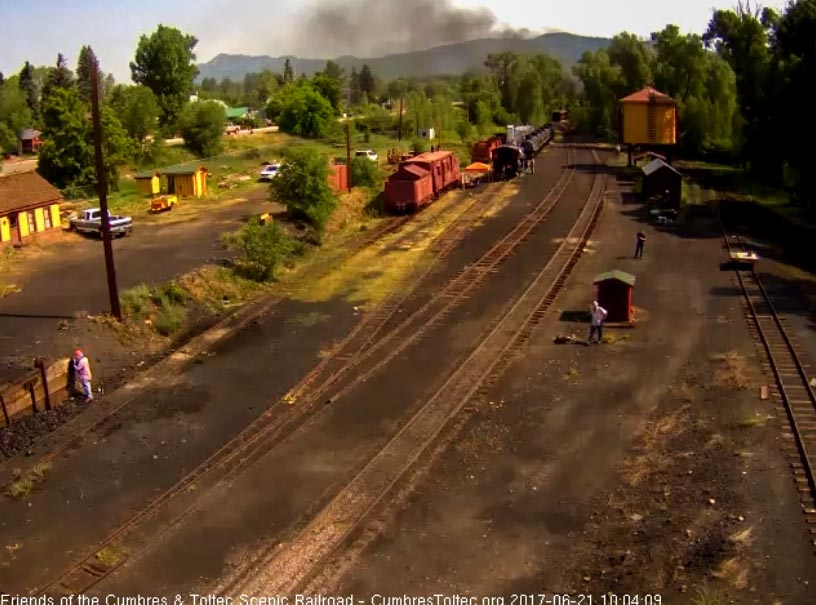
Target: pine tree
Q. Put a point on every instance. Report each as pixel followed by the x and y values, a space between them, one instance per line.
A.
pixel 354 86
pixel 85 65
pixel 58 77
pixel 288 72
pixel 29 88
pixel 366 81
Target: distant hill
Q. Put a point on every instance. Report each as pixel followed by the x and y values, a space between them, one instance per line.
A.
pixel 448 59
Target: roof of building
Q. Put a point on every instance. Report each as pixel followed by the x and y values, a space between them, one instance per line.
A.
pixel 25 190
pixel 412 169
pixel 431 156
pixel 29 134
pixel 147 174
pixel 646 95
pixel 237 112
pixel 626 278
pixel 180 170
pixel 658 164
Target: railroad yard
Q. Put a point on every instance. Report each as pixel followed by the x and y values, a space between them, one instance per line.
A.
pixel 442 442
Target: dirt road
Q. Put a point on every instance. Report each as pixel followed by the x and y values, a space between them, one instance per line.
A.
pixel 70 278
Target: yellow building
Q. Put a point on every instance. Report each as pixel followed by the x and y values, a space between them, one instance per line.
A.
pixel 29 208
pixel 648 117
pixel 186 181
pixel 148 183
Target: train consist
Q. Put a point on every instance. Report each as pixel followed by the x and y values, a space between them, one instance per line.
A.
pixel 521 143
pixel 423 178
pixel 420 180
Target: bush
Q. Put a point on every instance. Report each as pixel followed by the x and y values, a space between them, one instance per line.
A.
pixel 169 317
pixel 303 111
pixel 202 126
pixel 364 173
pixel 302 185
pixel 263 248
pixel 137 301
pixel 419 146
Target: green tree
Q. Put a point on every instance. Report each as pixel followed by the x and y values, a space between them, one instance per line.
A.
pixel 202 126
pixel 335 72
pixel 28 85
pixel 600 79
pixel 288 72
pixel 366 82
pixel 635 60
pixel 15 115
pixel 58 77
pixel 165 63
pixel 504 67
pixel 302 185
pixel 67 157
pixel 304 111
pixel 329 89
pixel 365 173
pixel 354 87
pixel 86 63
pixel 137 109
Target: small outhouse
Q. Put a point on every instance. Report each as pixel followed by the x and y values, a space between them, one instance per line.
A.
pixel 663 183
pixel 148 183
pixel 615 295
pixel 186 181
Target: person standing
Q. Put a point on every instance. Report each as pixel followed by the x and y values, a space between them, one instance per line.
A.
pixel 532 165
pixel 598 315
pixel 641 241
pixel 82 370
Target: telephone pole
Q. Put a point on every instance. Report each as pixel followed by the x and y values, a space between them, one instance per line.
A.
pixel 102 190
pixel 400 118
pixel 348 155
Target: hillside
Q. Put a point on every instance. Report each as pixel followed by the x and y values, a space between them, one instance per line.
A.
pixel 448 59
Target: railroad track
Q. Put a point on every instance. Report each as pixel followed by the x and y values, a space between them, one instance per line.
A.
pixel 287 568
pixel 284 417
pixel 792 388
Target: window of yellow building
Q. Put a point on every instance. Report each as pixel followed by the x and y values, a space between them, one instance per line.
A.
pixel 32 225
pixel 47 218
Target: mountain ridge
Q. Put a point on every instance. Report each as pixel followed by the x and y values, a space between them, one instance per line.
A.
pixel 440 60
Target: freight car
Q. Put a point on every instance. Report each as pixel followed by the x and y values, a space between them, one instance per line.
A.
pixel 506 160
pixel 420 180
pixel 482 150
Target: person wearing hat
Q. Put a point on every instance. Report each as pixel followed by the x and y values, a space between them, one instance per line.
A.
pixel 82 370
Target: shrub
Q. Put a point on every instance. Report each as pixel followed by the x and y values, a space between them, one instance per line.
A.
pixel 169 317
pixel 202 126
pixel 302 185
pixel 263 248
pixel 419 146
pixel 364 173
pixel 173 292
pixel 137 301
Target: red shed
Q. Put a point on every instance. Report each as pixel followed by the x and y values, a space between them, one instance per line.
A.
pixel 338 177
pixel 615 294
pixel 410 187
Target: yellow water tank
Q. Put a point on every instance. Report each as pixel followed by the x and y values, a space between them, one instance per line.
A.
pixel 648 117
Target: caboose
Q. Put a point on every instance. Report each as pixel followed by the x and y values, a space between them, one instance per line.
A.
pixel 421 179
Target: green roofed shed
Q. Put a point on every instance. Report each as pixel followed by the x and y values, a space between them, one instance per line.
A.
pixel 615 294
pixel 236 113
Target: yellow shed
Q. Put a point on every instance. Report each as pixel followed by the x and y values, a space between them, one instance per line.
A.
pixel 648 117
pixel 186 181
pixel 29 208
pixel 148 183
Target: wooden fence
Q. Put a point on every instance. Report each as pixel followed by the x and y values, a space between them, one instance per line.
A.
pixel 46 387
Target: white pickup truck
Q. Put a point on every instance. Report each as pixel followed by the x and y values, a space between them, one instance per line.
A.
pixel 90 221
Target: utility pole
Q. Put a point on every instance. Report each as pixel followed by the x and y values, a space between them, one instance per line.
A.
pixel 348 154
pixel 400 118
pixel 102 190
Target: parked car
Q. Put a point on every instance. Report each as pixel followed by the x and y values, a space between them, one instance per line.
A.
pixel 269 172
pixel 366 153
pixel 232 129
pixel 90 221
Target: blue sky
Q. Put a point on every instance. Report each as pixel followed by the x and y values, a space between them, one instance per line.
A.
pixel 36 30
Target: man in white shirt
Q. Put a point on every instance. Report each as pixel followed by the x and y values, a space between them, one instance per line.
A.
pixel 598 314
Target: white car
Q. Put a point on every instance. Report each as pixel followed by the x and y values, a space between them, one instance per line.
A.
pixel 366 153
pixel 269 172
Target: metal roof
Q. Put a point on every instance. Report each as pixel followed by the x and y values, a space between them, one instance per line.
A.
pixel 626 278
pixel 658 164
pixel 29 134
pixel 149 174
pixel 175 170
pixel 412 169
pixel 646 95
pixel 237 112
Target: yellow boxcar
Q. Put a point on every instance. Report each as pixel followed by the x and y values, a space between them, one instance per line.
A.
pixel 648 116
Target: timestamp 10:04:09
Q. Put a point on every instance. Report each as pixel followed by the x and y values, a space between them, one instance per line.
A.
pixel 586 599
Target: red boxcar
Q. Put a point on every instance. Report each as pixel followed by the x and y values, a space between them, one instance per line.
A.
pixel 443 166
pixel 482 150
pixel 409 188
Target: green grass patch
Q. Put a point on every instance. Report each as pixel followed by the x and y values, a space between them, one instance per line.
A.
pixel 162 305
pixel 23 484
pixel 110 556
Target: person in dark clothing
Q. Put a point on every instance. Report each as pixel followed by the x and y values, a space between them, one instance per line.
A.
pixel 641 241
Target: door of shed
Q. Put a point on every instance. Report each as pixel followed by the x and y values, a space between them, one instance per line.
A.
pixel 615 295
